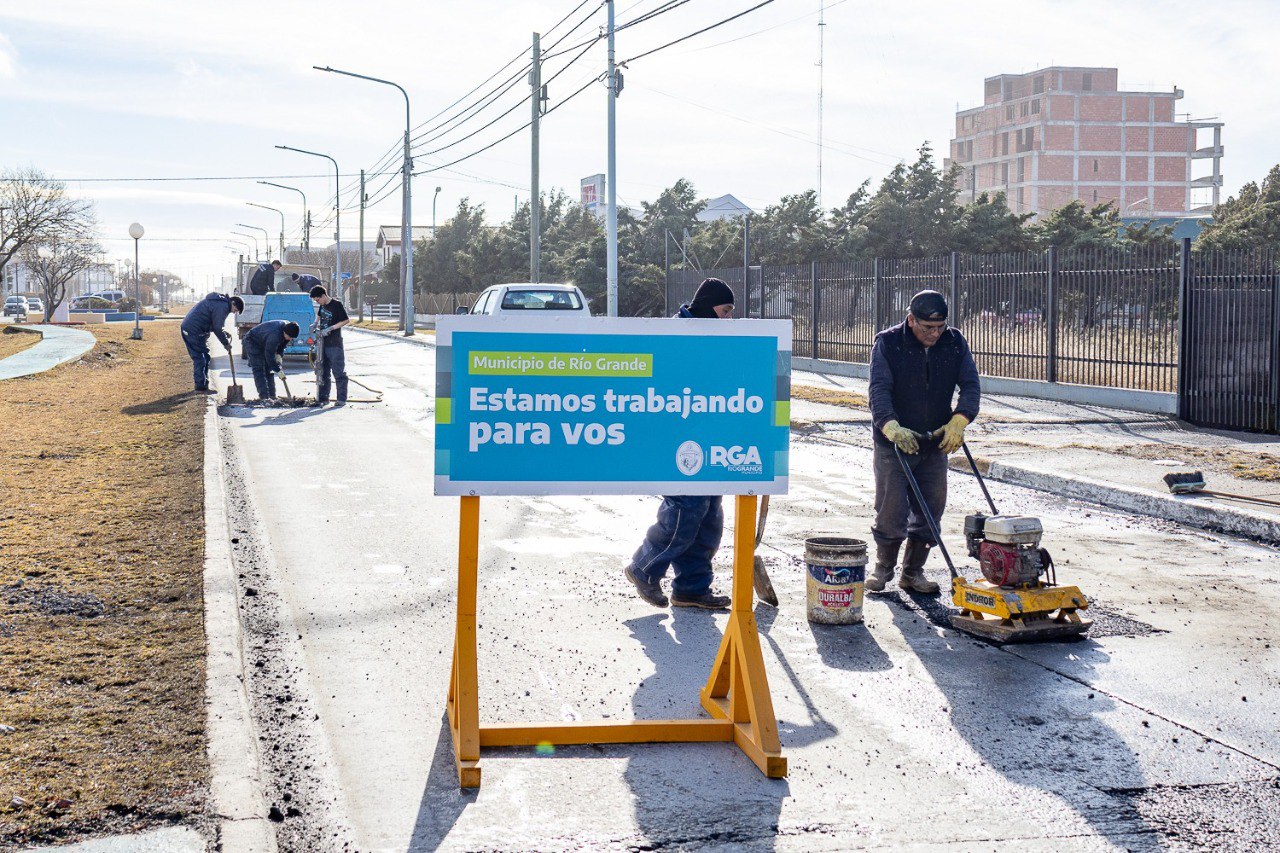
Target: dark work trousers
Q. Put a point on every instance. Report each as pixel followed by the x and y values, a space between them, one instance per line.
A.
pixel 685 537
pixel 198 349
pixel 264 378
pixel 335 371
pixel 898 515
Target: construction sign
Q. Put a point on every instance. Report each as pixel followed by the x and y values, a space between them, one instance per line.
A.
pixel 611 406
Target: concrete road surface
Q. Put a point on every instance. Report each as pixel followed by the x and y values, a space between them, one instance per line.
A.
pixel 1158 731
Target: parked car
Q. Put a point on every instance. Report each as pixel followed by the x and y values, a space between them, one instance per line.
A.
pixel 35 305
pixel 513 300
pixel 112 296
pixel 15 306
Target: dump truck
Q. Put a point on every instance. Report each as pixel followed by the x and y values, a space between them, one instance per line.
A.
pixel 286 303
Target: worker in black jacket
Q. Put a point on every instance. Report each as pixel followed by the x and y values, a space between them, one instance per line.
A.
pixel 264 279
pixel 306 281
pixel 916 367
pixel 207 317
pixel 263 348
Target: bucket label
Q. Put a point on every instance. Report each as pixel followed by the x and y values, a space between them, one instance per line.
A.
pixel 837 598
pixel 837 575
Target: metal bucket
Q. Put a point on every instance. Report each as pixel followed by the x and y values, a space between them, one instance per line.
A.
pixel 837 569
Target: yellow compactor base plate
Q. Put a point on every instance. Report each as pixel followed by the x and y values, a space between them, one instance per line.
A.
pixel 1021 615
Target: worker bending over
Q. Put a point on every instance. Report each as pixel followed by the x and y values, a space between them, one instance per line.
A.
pixel 330 318
pixel 306 281
pixel 916 367
pixel 687 533
pixel 207 317
pixel 263 348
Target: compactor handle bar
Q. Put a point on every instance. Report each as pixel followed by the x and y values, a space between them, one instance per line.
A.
pixel 926 512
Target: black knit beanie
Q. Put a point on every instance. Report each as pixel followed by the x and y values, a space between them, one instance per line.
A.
pixel 710 293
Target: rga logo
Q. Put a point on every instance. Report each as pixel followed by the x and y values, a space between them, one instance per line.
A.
pixel 689 458
pixel 737 459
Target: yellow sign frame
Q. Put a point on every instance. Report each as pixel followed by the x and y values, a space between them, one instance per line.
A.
pixel 736 694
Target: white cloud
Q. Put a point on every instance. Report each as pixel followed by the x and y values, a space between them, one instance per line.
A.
pixel 8 59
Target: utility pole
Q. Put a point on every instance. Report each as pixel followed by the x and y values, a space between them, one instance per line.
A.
pixel 535 200
pixel 306 237
pixel 822 32
pixel 611 179
pixel 360 283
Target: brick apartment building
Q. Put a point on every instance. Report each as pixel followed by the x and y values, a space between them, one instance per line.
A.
pixel 1063 133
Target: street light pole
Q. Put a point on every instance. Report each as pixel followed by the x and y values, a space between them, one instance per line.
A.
pixel 337 212
pixel 257 255
pixel 266 235
pixel 281 212
pixel 406 217
pixel 611 181
pixel 306 215
pixel 136 231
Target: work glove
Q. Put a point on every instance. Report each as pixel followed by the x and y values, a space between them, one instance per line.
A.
pixel 953 434
pixel 903 438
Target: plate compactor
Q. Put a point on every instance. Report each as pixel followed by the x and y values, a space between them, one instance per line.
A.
pixel 1020 600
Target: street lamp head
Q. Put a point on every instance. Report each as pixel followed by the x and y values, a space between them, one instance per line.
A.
pixel 136 231
pixel 44 252
pixel 438 189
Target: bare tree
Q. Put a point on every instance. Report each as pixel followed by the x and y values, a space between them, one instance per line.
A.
pixel 35 208
pixel 55 262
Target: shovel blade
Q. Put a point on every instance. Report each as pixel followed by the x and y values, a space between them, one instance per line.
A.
pixel 235 395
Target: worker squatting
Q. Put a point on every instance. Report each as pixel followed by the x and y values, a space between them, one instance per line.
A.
pixel 651 402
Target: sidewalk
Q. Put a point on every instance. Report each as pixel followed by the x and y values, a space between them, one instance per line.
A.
pixel 59 345
pixel 1106 456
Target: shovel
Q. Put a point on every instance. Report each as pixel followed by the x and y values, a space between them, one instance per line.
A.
pixel 759 575
pixel 235 394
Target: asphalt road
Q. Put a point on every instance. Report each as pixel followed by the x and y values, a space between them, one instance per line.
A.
pixel 1157 732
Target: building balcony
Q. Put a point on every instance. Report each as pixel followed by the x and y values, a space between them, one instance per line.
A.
pixel 1207 151
pixel 1207 181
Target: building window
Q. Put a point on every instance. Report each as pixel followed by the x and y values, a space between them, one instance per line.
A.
pixel 1087 85
pixel 1022 169
pixel 1004 143
pixel 1024 109
pixel 1022 199
pixel 1008 113
pixel 1039 84
pixel 1004 173
pixel 1095 168
pixel 1035 107
pixel 1095 196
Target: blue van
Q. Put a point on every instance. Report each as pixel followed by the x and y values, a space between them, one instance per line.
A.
pixel 297 307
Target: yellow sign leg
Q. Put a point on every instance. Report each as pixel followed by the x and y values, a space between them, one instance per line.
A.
pixel 738 689
pixel 464 690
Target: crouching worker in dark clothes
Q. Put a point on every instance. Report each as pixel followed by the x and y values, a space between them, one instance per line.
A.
pixel 207 317
pixel 689 527
pixel 306 281
pixel 264 350
pixel 916 367
pixel 331 316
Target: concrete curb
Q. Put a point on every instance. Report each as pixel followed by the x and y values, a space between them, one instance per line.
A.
pixel 1200 512
pixel 420 340
pixel 234 763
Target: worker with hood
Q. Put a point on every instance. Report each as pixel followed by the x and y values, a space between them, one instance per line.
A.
pixel 687 533
pixel 264 350
pixel 916 367
pixel 264 279
pixel 207 317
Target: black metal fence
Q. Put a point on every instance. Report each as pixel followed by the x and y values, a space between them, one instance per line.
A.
pixel 1089 317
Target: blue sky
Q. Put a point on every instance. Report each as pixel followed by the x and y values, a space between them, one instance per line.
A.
pixel 99 90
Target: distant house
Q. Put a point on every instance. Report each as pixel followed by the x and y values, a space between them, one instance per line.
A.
pixel 388 243
pixel 723 207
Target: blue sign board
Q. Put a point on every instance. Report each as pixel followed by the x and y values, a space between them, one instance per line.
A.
pixel 612 406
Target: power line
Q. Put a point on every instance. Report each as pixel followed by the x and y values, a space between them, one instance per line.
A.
pixel 830 6
pixel 196 178
pixel 696 32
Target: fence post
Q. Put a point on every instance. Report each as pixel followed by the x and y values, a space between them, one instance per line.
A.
pixel 1184 328
pixel 815 306
pixel 1051 316
pixel 875 298
pixel 955 288
pixel 746 269
pixel 666 272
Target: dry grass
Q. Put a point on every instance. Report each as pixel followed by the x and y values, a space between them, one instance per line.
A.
pixel 377 325
pixel 830 396
pixel 1245 464
pixel 16 340
pixel 101 608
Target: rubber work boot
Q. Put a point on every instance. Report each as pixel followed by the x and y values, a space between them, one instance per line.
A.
pixel 886 560
pixel 649 591
pixel 913 578
pixel 707 601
